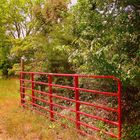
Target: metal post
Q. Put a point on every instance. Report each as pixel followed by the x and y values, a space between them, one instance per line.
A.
pixel 22 82
pixel 33 86
pixel 21 89
pixel 50 91
pixel 77 99
pixel 119 110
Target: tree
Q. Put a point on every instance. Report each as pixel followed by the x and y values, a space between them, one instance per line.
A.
pixel 17 23
pixel 4 43
pixel 108 43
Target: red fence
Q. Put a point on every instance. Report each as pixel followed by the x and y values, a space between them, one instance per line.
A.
pixel 36 97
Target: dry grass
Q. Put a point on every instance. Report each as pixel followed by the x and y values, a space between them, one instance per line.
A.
pixel 20 124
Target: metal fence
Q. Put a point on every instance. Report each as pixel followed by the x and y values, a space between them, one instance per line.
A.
pixel 48 98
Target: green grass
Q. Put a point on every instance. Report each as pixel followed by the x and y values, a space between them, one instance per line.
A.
pixel 17 123
pixel 9 89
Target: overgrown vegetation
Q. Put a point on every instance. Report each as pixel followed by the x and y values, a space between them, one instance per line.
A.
pixel 92 37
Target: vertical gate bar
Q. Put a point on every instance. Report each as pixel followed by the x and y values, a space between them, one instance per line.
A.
pixel 22 82
pixel 77 99
pixel 119 109
pixel 33 86
pixel 50 91
pixel 21 89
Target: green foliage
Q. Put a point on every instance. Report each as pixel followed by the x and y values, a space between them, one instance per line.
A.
pixel 132 132
pixel 108 41
pixel 108 44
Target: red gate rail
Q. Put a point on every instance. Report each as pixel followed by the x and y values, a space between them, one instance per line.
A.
pixel 76 88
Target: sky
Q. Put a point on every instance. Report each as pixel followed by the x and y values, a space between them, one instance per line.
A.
pixel 73 2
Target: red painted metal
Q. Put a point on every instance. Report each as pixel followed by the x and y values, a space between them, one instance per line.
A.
pixel 33 86
pixel 119 109
pixel 77 103
pixel 50 93
pixel 22 90
pixel 51 103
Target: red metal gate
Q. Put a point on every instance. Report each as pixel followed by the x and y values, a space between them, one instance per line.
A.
pixel 29 80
